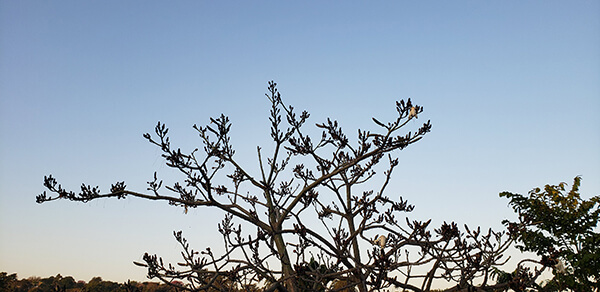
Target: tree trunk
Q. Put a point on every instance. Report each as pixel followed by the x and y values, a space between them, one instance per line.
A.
pixel 286 265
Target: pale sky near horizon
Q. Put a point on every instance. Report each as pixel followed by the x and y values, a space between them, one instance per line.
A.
pixel 512 89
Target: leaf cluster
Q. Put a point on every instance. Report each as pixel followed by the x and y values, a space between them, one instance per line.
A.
pixel 560 227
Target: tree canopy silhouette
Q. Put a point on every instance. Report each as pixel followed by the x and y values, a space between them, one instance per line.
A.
pixel 317 216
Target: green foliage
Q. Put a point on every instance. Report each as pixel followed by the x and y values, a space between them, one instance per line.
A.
pixel 560 227
pixel 311 276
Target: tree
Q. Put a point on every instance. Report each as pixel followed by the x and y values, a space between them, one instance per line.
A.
pixel 560 227
pixel 7 281
pixel 67 283
pixel 319 215
pixel 96 284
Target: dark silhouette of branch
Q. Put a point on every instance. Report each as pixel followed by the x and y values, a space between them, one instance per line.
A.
pixel 306 181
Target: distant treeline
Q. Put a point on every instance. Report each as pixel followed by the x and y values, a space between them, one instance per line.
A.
pixel 58 283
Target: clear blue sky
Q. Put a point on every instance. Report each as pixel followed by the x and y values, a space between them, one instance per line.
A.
pixel 512 89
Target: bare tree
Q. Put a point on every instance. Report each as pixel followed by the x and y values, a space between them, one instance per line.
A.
pixel 316 221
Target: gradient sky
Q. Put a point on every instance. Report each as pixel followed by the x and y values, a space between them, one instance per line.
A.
pixel 512 89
